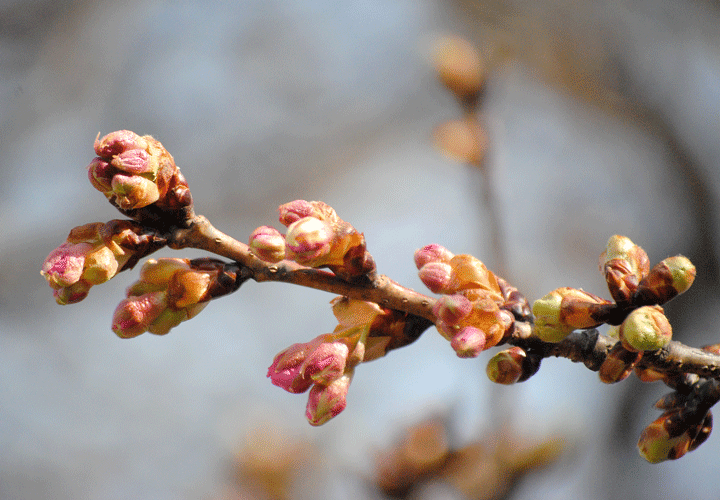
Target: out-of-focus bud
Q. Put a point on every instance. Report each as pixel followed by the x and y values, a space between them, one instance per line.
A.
pixel 646 329
pixel 267 244
pixel 506 367
pixel 459 67
pixel 436 276
pixel 565 309
pixel 618 364
pixel 665 281
pixel 93 254
pixel 462 140
pixel 134 172
pixel 432 253
pixel 468 342
pixel 327 401
pixel 673 434
pixel 624 264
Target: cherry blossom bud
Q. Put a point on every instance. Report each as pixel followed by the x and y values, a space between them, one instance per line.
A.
pixel 506 367
pixel 326 363
pixel 665 281
pixel 469 342
pixel 134 315
pixel 267 244
pixel 673 434
pixel 286 370
pixel 309 239
pixel 624 264
pixel 646 329
pixel 299 209
pixel 618 365
pixel 432 253
pixel 101 174
pixel 436 276
pixel 133 191
pixel 459 67
pixel 327 401
pixel 462 140
pixel 547 311
pixel 451 309
pixel 135 161
pixel 118 142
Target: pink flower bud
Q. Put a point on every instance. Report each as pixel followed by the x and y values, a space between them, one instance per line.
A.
pixel 326 363
pixel 436 276
pixel 134 161
pixel 432 253
pixel 294 211
pixel 134 315
pixel 267 244
pixel 309 239
pixel 117 142
pixel 64 266
pixel 451 309
pixel 469 342
pixel 101 174
pixel 134 191
pixel 327 401
pixel 286 370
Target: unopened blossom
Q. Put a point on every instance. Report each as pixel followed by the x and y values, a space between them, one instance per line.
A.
pixel 268 244
pixel 135 171
pixel 92 254
pixel 646 329
pixel 666 280
pixel 673 434
pixel 432 253
pixel 565 309
pixel 624 264
pixel 436 276
pixel 327 401
pixel 169 292
pixel 506 367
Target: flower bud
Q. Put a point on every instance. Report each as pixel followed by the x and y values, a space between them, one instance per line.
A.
pixel 327 401
pixel 134 314
pixel 286 369
pixel 436 276
pixel 300 209
pixel 451 309
pixel 462 140
pixel 618 365
pixel 646 329
pixel 267 244
pixel 506 367
pixel 309 239
pixel 624 264
pixel 673 434
pixel 326 363
pixel 118 142
pixel 665 281
pixel 547 311
pixel 469 342
pixel 432 253
pixel 459 67
pixel 133 191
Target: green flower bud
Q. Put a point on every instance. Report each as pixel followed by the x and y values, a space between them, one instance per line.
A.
pixel 646 329
pixel 547 312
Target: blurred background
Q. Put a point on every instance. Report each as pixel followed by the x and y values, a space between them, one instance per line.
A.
pixel 602 117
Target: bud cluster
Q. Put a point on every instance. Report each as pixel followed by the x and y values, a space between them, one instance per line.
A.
pixel 94 253
pixel 686 422
pixel 326 364
pixel 316 237
pixel 170 291
pixel 135 171
pixel 637 292
pixel 477 309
